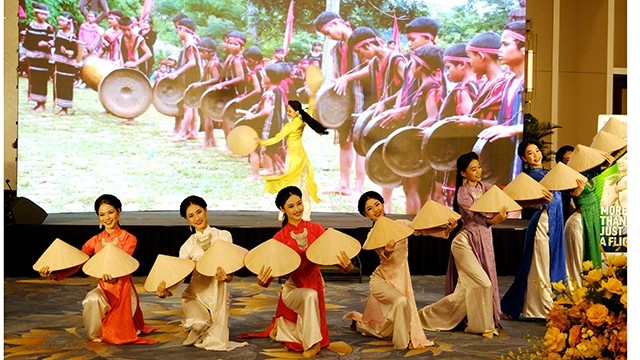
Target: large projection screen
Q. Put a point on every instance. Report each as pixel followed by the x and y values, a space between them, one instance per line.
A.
pixel 65 162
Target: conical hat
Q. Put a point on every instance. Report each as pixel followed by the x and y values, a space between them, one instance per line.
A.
pixel 272 253
pixel 561 177
pixel 585 158
pixel 384 231
pixel 221 253
pixel 524 187
pixel 493 201
pixel 243 140
pixel 60 255
pixel 608 142
pixel 616 126
pixel 110 260
pixel 433 214
pixel 169 269
pixel 326 248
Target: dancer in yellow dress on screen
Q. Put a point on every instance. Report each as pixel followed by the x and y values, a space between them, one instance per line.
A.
pixel 298 170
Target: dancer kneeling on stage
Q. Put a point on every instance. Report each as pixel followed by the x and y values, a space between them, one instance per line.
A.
pixel 108 312
pixel 300 321
pixel 205 301
pixel 391 309
pixel 472 282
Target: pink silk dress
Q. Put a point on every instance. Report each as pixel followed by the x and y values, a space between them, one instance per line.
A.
pixel 391 310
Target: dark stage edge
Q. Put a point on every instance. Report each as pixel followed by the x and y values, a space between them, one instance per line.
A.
pixel 163 232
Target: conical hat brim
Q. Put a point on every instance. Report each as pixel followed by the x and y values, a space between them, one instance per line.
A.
pixel 326 248
pixel 616 126
pixel 170 269
pixel 110 260
pixel 385 231
pixel 608 142
pixel 433 214
pixel 272 253
pixel 60 255
pixel 585 158
pixel 243 140
pixel 221 253
pixel 561 177
pixel 523 188
pixel 493 201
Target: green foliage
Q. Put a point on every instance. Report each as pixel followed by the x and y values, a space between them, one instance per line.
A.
pixel 128 7
pixel 55 8
pixel 465 22
pixel 300 46
pixel 212 17
pixel 216 28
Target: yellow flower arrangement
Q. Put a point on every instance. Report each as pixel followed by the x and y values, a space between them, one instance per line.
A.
pixel 597 314
pixel 588 322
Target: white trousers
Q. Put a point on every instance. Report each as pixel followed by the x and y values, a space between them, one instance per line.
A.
pixel 397 315
pixel 304 302
pixel 574 245
pixel 472 298
pixel 537 297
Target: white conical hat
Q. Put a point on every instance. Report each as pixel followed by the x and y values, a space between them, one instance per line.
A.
pixel 272 253
pixel 561 177
pixel 493 201
pixel 385 231
pixel 110 260
pixel 608 142
pixel 433 214
pixel 221 253
pixel 60 255
pixel 243 140
pixel 523 188
pixel 585 158
pixel 170 269
pixel 326 248
pixel 616 126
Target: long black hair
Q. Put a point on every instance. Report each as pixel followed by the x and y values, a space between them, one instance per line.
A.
pixel 283 196
pixel 362 202
pixel 461 165
pixel 313 123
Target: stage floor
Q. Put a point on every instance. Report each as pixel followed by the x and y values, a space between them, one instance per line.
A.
pixel 43 320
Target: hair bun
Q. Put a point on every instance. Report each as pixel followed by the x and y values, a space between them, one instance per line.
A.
pixel 295 105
